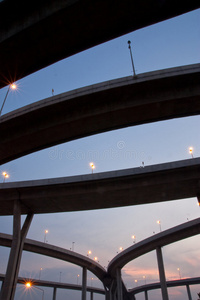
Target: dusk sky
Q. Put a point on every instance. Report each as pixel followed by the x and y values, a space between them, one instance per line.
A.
pixel 172 43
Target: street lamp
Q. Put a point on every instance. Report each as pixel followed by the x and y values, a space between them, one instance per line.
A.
pixel 129 46
pixel 40 273
pixel 78 278
pixel 191 151
pixel 136 282
pixel 73 246
pixel 179 271
pixel 5 175
pixel 89 252
pixel 29 285
pixel 158 222
pixel 11 86
pixel 134 239
pixel 92 166
pixel 144 277
pixel 45 236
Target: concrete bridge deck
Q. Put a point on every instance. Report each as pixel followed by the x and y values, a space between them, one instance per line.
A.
pixel 151 97
pixel 35 36
pixel 104 190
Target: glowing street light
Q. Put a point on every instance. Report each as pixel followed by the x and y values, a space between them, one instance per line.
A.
pixel 191 151
pixel 89 252
pixel 91 280
pixel 136 282
pixel 179 271
pixel 121 249
pixel 134 239
pixel 45 236
pixel 11 86
pixel 78 278
pixel 92 166
pixel 5 175
pixel 144 277
pixel 29 285
pixel 158 222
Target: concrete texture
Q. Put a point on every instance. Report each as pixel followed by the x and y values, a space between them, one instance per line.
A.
pixel 35 36
pixel 151 97
pixel 104 190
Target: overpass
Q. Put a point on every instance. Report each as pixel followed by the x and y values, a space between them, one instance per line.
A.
pixel 151 97
pixel 112 278
pixel 35 36
pixel 104 190
pixel 58 253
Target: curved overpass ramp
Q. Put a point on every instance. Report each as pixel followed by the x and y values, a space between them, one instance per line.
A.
pixel 164 238
pixel 150 97
pixel 48 31
pixel 58 253
pixel 163 182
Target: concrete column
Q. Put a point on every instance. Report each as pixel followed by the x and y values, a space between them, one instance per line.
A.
pixel 10 281
pixel 162 274
pixel 91 295
pixel 84 283
pixel 146 295
pixel 54 293
pixel 189 293
pixel 119 284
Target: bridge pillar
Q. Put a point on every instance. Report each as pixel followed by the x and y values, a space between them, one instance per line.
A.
pixel 189 292
pixel 146 295
pixel 91 295
pixel 84 283
pixel 162 274
pixel 119 284
pixel 54 293
pixel 19 235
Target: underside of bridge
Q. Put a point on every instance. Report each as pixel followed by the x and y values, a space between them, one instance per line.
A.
pixel 37 35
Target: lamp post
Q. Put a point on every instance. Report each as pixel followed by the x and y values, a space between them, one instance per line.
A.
pixel 179 271
pixel 134 239
pixel 5 175
pixel 129 46
pixel 89 252
pixel 158 222
pixel 191 151
pixel 78 278
pixel 40 273
pixel 73 246
pixel 92 166
pixel 45 236
pixel 11 86
pixel 29 285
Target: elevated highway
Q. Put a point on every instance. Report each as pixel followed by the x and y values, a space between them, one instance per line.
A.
pixel 150 97
pixel 35 36
pixel 156 183
pixel 58 253
pixel 161 239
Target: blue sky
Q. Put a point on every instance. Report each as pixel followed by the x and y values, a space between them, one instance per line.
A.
pixel 171 43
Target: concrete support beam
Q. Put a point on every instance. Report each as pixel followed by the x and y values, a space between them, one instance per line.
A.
pixel 119 284
pixel 19 235
pixel 189 292
pixel 84 283
pixel 162 274
pixel 91 295
pixel 54 293
pixel 146 295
